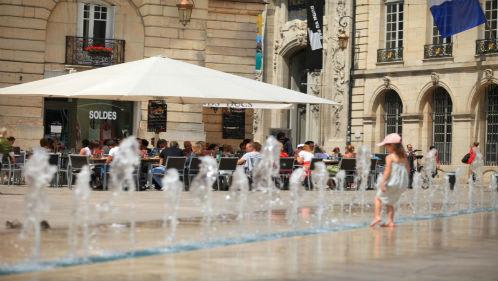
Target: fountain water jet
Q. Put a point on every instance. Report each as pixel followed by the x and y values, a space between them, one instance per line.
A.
pixel 417 187
pixel 124 167
pixel 202 187
pixel 320 177
pixel 265 172
pixel 493 186
pixel 339 180
pixel 295 188
pixel 363 166
pixel 172 190
pixel 38 174
pixel 80 214
pixel 429 169
pixel 239 190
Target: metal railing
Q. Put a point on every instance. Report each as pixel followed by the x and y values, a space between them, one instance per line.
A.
pixel 94 51
pixel 443 50
pixel 390 55
pixel 486 46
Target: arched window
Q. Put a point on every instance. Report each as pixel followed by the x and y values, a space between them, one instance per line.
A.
pixel 393 107
pixel 491 118
pixel 442 107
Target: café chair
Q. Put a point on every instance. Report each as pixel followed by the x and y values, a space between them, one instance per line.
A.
pixel 75 165
pixel 193 169
pixel 55 159
pixel 286 168
pixel 177 163
pixel 349 166
pixel 15 169
pixel 226 168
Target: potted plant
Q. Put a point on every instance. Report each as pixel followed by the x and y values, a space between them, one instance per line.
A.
pixel 96 50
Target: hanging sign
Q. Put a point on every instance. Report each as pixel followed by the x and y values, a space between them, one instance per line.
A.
pixel 234 123
pixel 314 9
pixel 157 113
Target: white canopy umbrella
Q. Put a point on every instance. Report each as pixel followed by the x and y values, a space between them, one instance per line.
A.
pixel 161 78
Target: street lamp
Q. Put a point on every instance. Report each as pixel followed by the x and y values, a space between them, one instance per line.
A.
pixel 185 10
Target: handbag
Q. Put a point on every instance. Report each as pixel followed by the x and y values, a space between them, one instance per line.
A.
pixel 466 158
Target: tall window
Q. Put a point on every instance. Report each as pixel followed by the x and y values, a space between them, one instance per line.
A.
pixel 95 21
pixel 296 9
pixel 436 37
pixel 394 25
pixel 393 107
pixel 491 10
pixel 442 129
pixel 491 107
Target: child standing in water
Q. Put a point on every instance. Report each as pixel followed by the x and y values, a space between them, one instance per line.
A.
pixel 394 181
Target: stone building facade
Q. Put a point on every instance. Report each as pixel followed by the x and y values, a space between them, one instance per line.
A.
pixel 285 41
pixel 45 38
pixel 433 91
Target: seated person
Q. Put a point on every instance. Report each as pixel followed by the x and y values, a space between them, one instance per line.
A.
pixel 114 148
pixel 251 156
pixel 304 157
pixel 86 149
pixel 349 152
pixel 320 154
pixel 172 151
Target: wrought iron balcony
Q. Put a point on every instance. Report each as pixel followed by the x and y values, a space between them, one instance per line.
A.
pixel 94 51
pixel 443 50
pixel 390 55
pixel 486 46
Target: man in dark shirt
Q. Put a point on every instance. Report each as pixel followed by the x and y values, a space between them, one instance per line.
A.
pixel 158 172
pixel 173 150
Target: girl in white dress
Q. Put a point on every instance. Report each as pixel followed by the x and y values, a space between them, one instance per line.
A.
pixel 394 181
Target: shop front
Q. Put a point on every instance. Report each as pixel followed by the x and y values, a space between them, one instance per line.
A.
pixel 72 120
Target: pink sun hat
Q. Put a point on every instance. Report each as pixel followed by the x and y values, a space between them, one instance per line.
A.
pixel 391 138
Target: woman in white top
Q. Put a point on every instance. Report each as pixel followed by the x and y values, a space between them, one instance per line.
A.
pixel 304 157
pixel 85 149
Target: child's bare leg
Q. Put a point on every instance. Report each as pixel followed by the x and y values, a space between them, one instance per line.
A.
pixel 377 208
pixel 390 215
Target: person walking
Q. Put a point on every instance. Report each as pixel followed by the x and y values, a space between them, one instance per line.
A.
pixel 411 156
pixel 393 182
pixel 474 149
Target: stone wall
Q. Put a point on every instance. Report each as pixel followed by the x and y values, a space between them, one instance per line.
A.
pixel 464 76
pixel 220 35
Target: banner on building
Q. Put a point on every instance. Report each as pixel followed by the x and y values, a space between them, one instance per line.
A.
pixel 314 9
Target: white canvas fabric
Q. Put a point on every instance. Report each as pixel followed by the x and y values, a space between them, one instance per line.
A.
pixel 161 78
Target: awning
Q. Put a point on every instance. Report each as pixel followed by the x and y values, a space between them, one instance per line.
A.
pixel 161 78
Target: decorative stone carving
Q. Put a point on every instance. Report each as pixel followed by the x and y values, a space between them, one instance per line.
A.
pixel 488 74
pixel 338 57
pixel 293 34
pixel 435 78
pixel 314 85
pixel 387 82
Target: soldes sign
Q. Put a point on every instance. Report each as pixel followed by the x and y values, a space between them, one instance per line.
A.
pixel 103 115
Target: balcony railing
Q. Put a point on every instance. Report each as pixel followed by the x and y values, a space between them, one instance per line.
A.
pixel 438 50
pixel 486 46
pixel 390 55
pixel 94 51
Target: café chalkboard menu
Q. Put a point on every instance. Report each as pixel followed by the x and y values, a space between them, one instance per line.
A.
pixel 157 116
pixel 234 124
